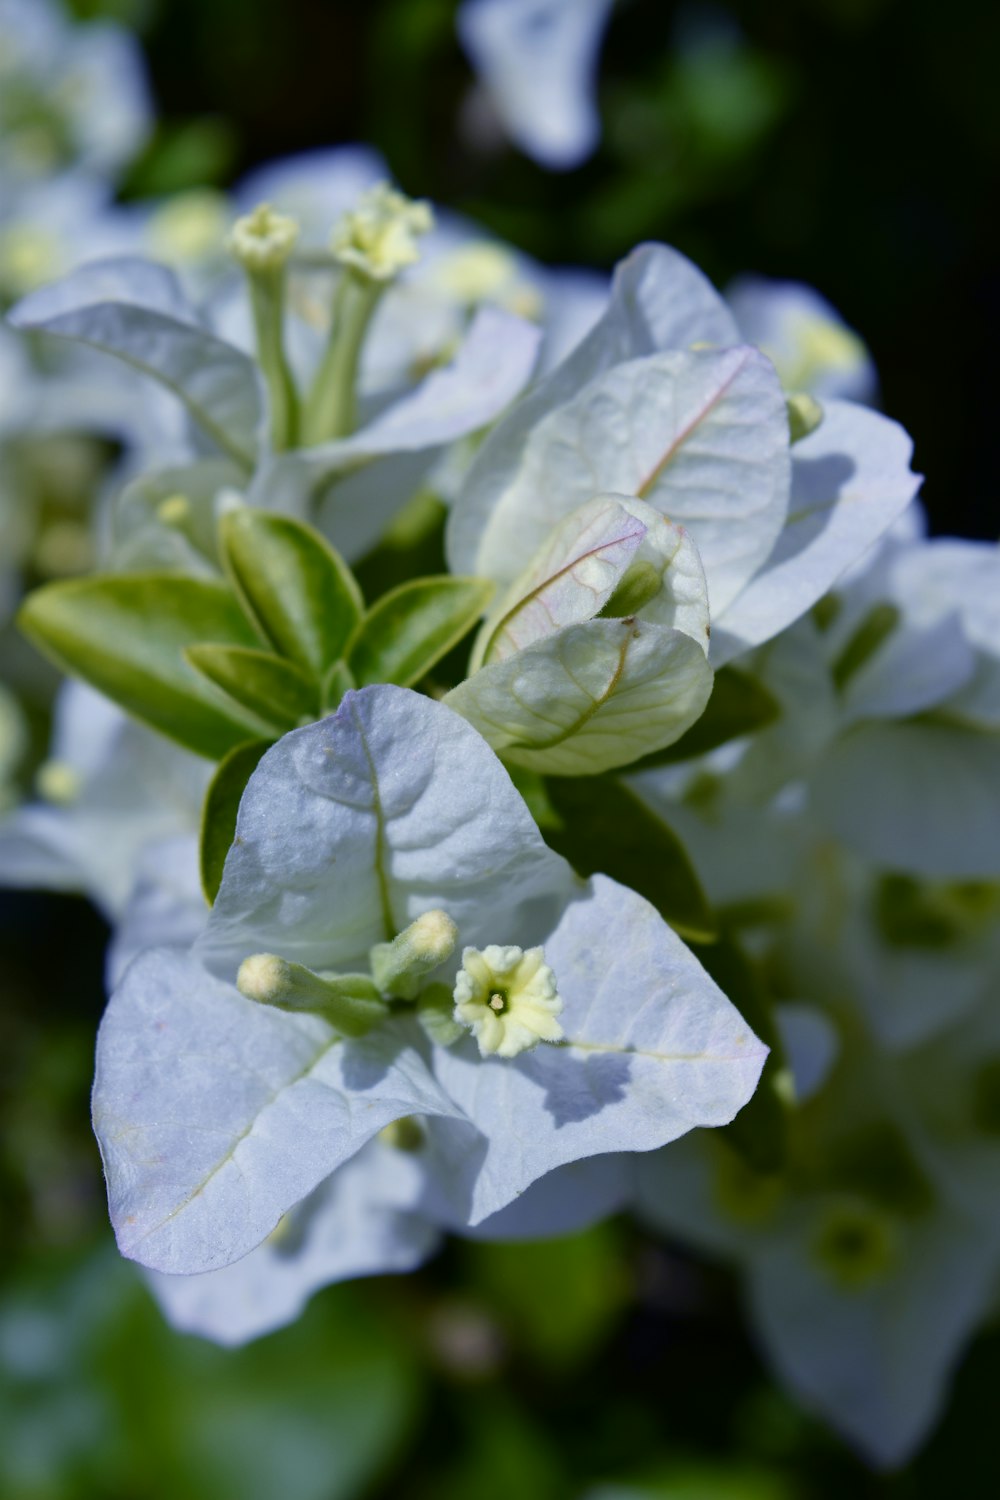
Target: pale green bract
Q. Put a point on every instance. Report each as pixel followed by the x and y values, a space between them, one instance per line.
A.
pixel 590 697
pixel 217 1115
pixel 563 691
pixel 586 557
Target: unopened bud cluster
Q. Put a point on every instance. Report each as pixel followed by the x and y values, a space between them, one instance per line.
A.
pixel 505 995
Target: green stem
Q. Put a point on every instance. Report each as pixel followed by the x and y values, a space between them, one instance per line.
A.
pixel 330 409
pixel 267 298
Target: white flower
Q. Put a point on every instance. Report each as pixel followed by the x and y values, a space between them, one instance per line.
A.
pixel 537 62
pixel 508 998
pixel 810 345
pixel 216 1114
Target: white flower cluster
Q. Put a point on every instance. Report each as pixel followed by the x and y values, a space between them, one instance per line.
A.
pixel 722 685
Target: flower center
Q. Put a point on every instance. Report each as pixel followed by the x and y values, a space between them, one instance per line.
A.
pixel 507 997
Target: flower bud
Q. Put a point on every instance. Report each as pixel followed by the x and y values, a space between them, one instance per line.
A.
pixel 804 416
pixel 398 967
pixel 350 1002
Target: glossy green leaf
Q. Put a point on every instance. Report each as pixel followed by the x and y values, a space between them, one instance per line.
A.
pixel 606 827
pixel 739 705
pixel 218 812
pixel 295 587
pixel 412 627
pixel 127 636
pixel 276 690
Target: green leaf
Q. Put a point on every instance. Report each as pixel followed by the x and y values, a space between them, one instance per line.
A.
pixel 759 1133
pixel 127 636
pixel 412 627
pixel 276 690
pixel 606 827
pixel 338 681
pixel 219 809
pixel 739 705
pixel 295 587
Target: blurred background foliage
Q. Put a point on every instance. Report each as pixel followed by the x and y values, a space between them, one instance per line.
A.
pixel 851 144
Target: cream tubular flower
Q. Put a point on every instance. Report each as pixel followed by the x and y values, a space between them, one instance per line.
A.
pixel 379 236
pixel 508 997
pixel 263 240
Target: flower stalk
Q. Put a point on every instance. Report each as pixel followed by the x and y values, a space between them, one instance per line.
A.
pixel 262 243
